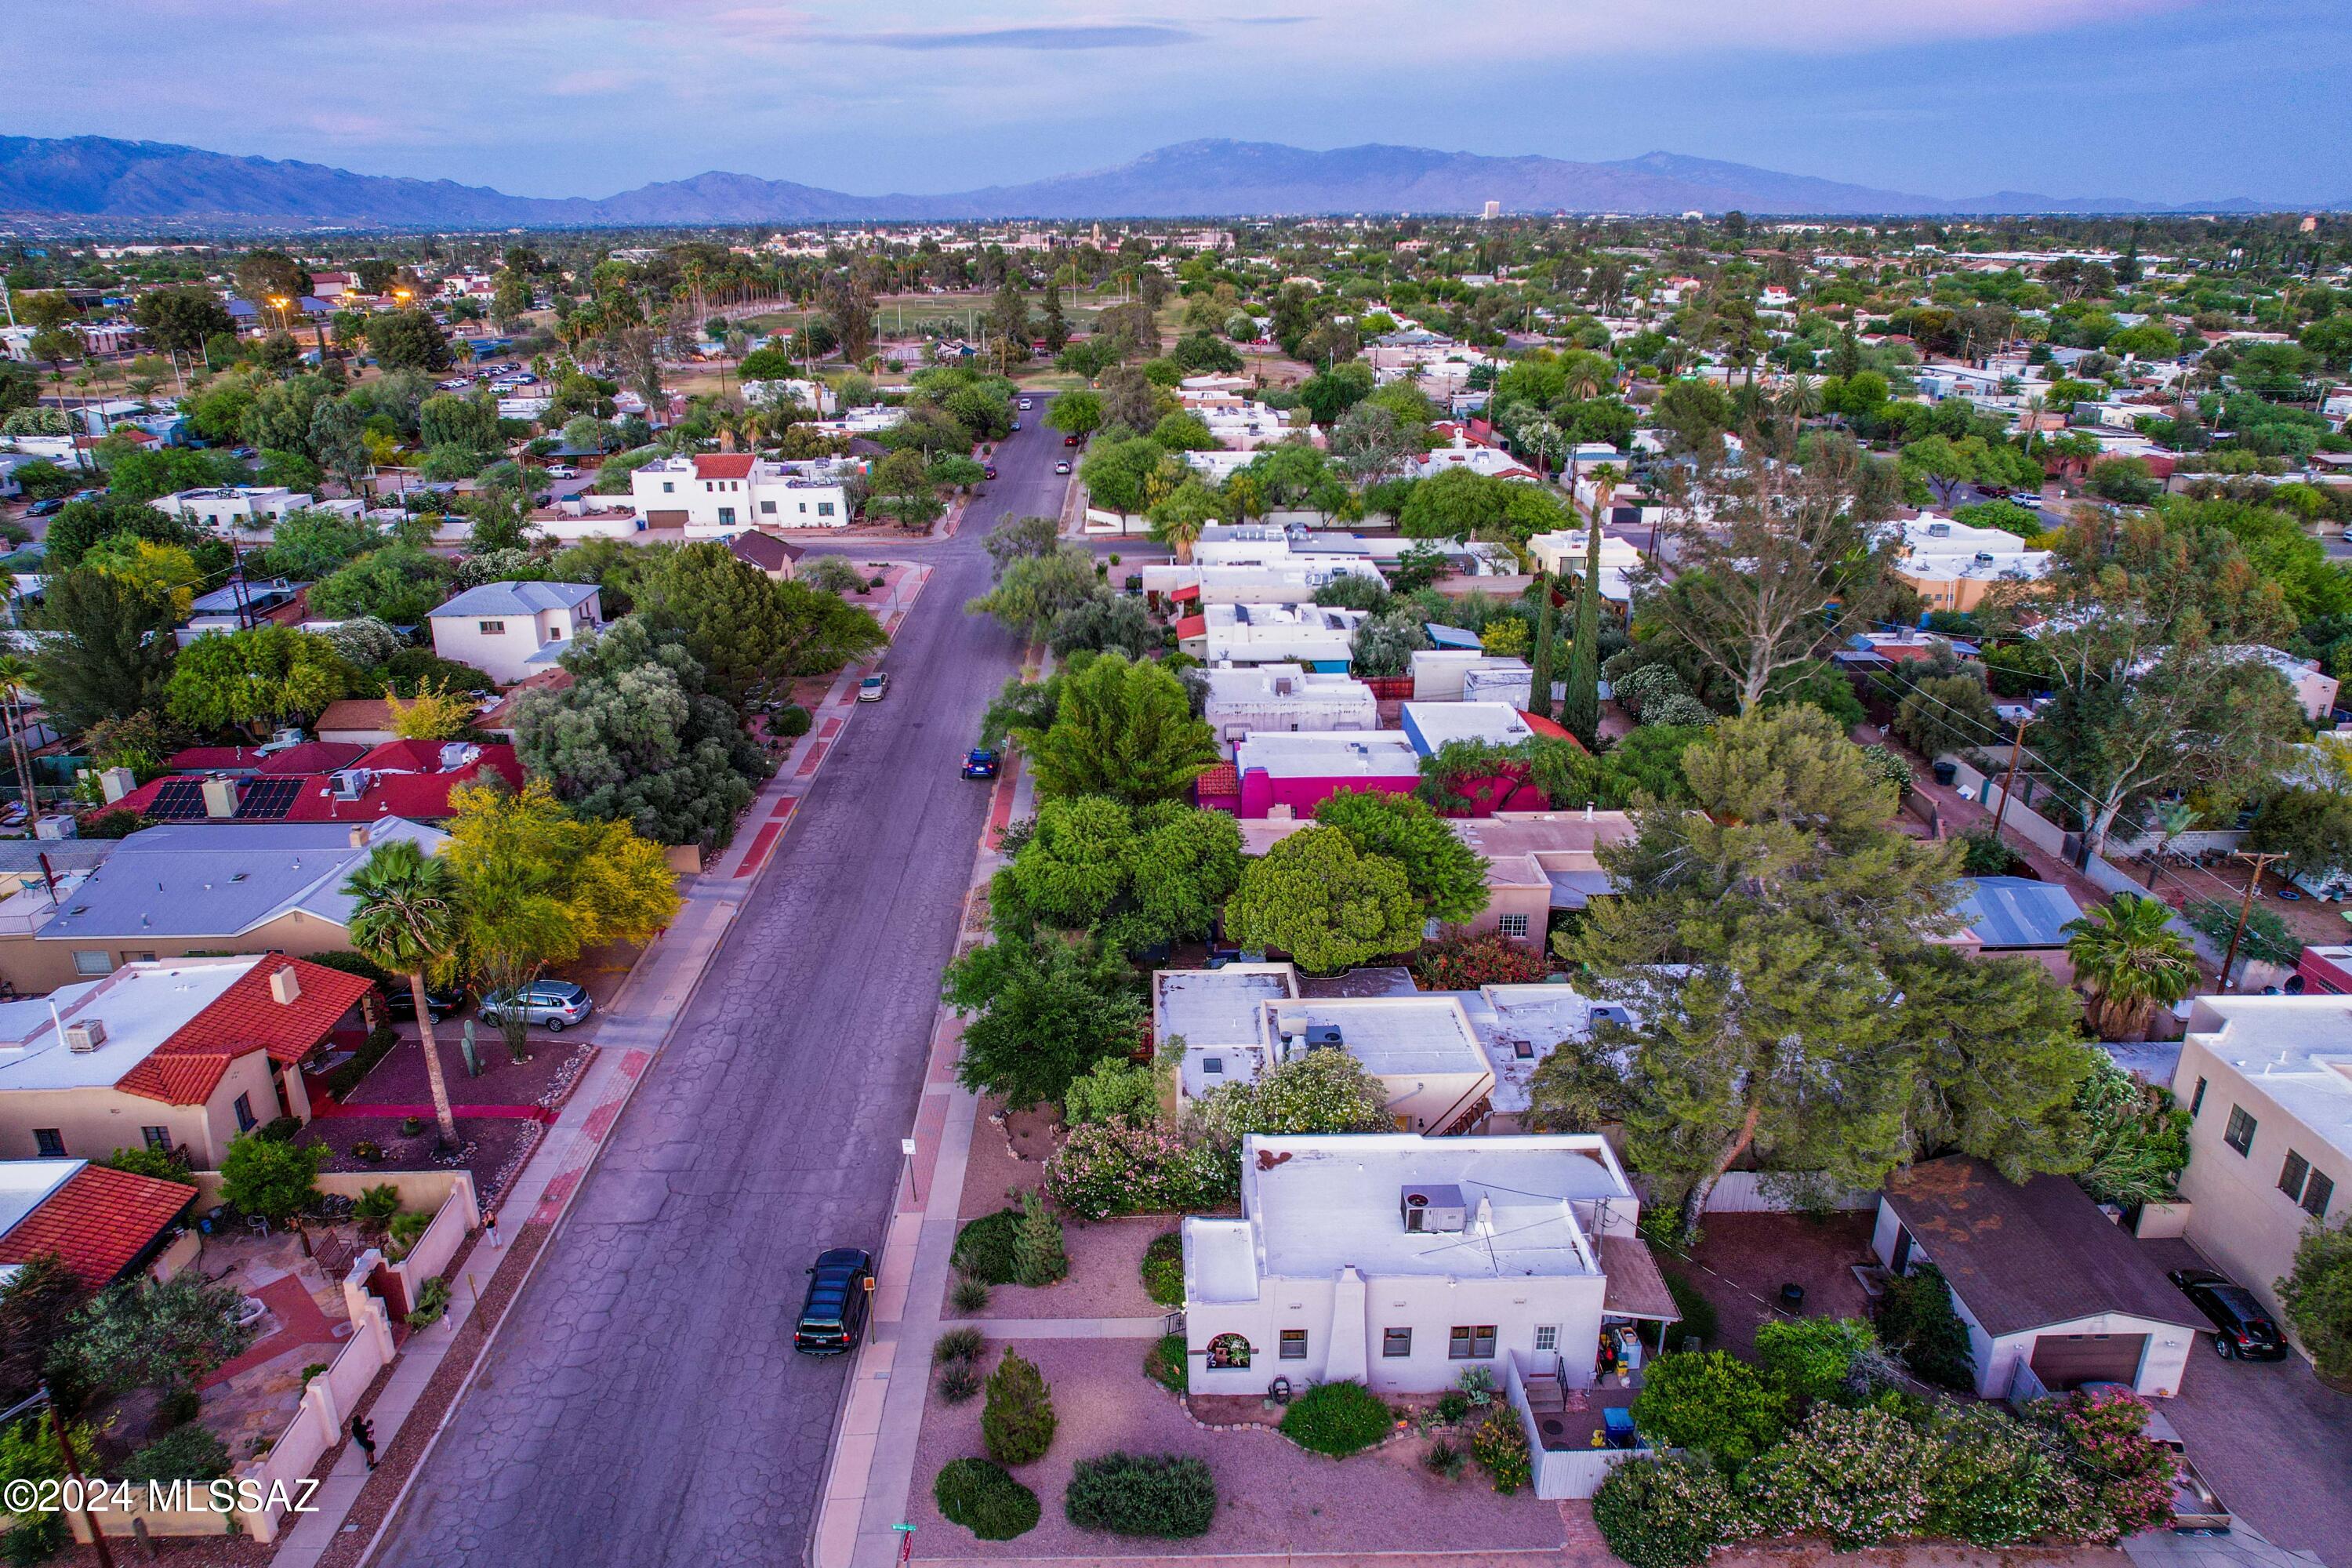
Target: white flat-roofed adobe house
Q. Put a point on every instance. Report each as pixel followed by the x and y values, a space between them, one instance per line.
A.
pixel 722 492
pixel 2268 1084
pixel 2053 1293
pixel 233 509
pixel 1239 1021
pixel 1401 1261
pixel 512 630
pixel 1284 697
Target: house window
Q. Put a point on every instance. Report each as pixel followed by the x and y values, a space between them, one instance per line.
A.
pixel 768 508
pixel 89 962
pixel 49 1142
pixel 824 509
pixel 1212 1067
pixel 1514 926
pixel 2240 1133
pixel 1472 1343
pixel 1396 1343
pixel 245 1122
pixel 1229 1351
pixel 1548 1337
pixel 158 1137
pixel 1294 1344
pixel 668 488
pixel 2197 1100
pixel 725 517
pixel 491 628
pixel 2315 1195
pixel 2292 1174
pixel 1524 1050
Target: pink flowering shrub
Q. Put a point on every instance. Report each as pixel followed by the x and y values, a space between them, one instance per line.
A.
pixel 1854 1476
pixel 1105 1168
pixel 2126 1476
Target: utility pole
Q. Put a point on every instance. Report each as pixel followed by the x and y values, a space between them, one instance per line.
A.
pixel 2009 779
pixel 2246 905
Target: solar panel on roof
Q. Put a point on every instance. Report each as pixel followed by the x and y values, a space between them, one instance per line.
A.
pixel 268 800
pixel 179 800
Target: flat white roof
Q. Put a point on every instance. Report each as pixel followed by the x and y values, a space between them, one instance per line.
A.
pixel 1214 1008
pixel 1392 1035
pixel 1439 722
pixel 1329 753
pixel 2296 1049
pixel 25 1185
pixel 1324 1200
pixel 141 1005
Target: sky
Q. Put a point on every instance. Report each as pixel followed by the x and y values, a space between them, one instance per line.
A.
pixel 2175 100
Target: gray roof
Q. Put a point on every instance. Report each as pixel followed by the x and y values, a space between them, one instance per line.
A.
pixel 22 856
pixel 518 599
pixel 222 879
pixel 2017 912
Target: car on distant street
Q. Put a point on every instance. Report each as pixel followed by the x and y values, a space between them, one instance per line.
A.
pixel 1024 405
pixel 440 1001
pixel 840 1295
pixel 989 471
pixel 2242 1331
pixel 1063 466
pixel 561 471
pixel 2030 500
pixel 874 688
pixel 49 508
pixel 555 1003
pixel 980 763
pixel 1069 440
pixel 1016 425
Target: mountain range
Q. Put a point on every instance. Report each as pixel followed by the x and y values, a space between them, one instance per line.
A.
pixel 119 182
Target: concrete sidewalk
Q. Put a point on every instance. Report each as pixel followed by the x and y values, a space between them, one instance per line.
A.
pixel 634 1028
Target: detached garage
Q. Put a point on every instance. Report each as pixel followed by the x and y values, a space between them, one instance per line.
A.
pixel 2052 1291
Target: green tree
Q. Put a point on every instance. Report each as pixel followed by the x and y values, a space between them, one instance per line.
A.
pixel 726 611
pixel 900 489
pixel 1038 1259
pixel 1017 1422
pixel 254 678
pixel 2135 1138
pixel 1035 591
pixel 2129 962
pixel 110 648
pixel 409 340
pixel 271 1178
pixel 2318 1296
pixel 1580 707
pixel 1712 1404
pixel 1448 877
pixel 36 1307
pixel 179 320
pixel 399 585
pixel 1078 413
pixel 311 542
pixel 1120 729
pixel 171 1336
pixel 1315 897
pixel 406 919
pixel 1137 875
pixel 1042 1012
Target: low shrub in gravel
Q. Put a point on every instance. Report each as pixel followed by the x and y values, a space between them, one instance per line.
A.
pixel 1164 1363
pixel 957 1344
pixel 1667 1512
pixel 984 1500
pixel 1500 1445
pixel 1165 1494
pixel 1163 1269
pixel 190 1453
pixel 959 1381
pixel 1445 1460
pixel 983 1247
pixel 968 1294
pixel 1336 1418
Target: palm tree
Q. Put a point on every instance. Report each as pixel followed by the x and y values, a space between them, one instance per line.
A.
pixel 406 922
pixel 16 677
pixel 2129 962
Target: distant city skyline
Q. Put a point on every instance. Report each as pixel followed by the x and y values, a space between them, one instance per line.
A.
pixel 2165 100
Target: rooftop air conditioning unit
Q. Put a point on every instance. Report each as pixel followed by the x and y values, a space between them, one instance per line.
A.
pixel 1984 557
pixel 1610 1013
pixel 85 1035
pixel 348 783
pixel 1324 1038
pixel 1436 1207
pixel 1939 531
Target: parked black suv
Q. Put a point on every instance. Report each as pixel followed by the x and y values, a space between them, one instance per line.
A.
pixel 839 1297
pixel 401 1001
pixel 2241 1328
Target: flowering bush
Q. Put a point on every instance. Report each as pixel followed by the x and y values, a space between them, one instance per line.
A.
pixel 1322 1091
pixel 1499 1444
pixel 2126 1475
pixel 1667 1513
pixel 1466 962
pixel 1993 1480
pixel 1105 1168
pixel 1854 1476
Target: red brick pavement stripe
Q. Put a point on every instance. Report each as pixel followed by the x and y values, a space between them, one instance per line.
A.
pixel 808 763
pixel 828 730
pixel 756 855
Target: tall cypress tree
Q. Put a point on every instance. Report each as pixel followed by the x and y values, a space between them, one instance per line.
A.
pixel 1539 693
pixel 1580 709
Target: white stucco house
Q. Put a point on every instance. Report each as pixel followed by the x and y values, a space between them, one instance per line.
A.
pixel 1399 1261
pixel 509 631
pixel 720 493
pixel 2055 1293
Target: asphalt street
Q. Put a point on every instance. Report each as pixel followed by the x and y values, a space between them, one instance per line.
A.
pixel 642 1403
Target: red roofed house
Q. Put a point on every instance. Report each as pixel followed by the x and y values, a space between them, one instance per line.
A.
pixel 400 778
pixel 183 1053
pixel 102 1224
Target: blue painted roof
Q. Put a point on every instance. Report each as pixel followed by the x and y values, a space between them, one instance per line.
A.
pixel 2017 912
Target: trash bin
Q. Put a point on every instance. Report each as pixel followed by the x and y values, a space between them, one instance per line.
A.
pixel 1947 773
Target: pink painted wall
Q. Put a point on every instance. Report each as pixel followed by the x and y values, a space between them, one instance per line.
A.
pixel 1261 793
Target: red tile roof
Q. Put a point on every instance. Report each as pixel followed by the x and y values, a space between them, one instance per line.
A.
pixel 310 757
pixel 201 759
pixel 402 756
pixel 1192 626
pixel 98 1222
pixel 1221 779
pixel 1549 729
pixel 186 1069
pixel 723 465
pixel 421 796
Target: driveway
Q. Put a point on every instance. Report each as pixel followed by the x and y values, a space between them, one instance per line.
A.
pixel 641 1405
pixel 2275 1442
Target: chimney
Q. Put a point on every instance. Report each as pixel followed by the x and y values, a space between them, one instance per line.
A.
pixel 358 834
pixel 220 797
pixel 285 986
pixel 116 783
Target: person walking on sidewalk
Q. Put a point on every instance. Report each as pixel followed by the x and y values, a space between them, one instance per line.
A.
pixel 363 1434
pixel 491 1227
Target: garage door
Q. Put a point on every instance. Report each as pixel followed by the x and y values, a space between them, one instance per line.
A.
pixel 2064 1360
pixel 665 520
